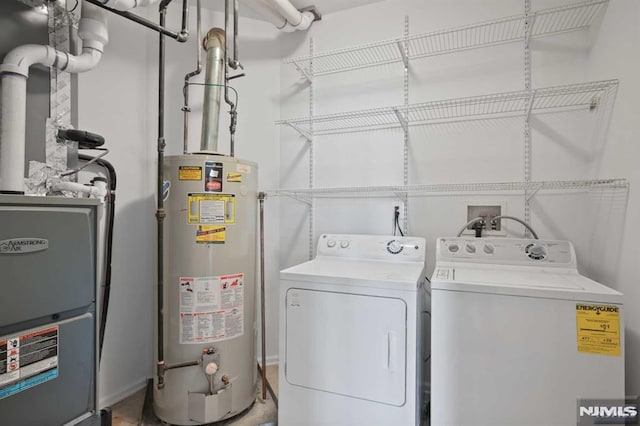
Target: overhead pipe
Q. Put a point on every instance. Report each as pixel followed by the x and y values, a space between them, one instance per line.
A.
pixel 232 106
pixel 181 36
pixel 284 15
pixel 14 72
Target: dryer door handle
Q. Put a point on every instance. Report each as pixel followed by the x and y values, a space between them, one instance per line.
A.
pixel 392 351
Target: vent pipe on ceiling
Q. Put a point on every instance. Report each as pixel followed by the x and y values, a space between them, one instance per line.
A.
pixel 14 72
pixel 214 44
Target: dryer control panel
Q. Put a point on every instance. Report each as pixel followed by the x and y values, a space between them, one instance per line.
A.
pixel 514 251
pixel 383 247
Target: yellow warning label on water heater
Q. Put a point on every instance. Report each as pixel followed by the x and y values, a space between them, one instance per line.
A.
pixel 211 234
pixel 234 177
pixel 211 209
pixel 598 328
pixel 190 173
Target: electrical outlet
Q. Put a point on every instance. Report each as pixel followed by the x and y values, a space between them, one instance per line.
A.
pixel 488 212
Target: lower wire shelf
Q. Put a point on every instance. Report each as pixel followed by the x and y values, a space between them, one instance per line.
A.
pixel 528 188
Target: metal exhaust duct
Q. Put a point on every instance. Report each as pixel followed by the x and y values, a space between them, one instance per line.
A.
pixel 214 43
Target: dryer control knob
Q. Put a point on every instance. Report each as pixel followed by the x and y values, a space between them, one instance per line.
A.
pixel 331 243
pixel 344 244
pixel 536 251
pixel 488 249
pixel 394 247
pixel 470 248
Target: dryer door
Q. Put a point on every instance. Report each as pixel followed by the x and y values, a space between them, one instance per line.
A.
pixel 347 344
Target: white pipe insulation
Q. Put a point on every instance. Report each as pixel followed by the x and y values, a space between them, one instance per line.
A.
pixel 128 4
pixel 14 72
pixel 282 14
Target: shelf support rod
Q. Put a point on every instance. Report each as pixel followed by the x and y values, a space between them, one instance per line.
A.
pixel 302 132
pixel 532 97
pixel 402 119
pixel 403 52
pixel 531 191
pixel 293 196
pixel 302 71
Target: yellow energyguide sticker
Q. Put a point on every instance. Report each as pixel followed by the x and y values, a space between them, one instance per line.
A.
pixel 211 209
pixel 215 234
pixel 234 177
pixel 598 329
pixel 190 173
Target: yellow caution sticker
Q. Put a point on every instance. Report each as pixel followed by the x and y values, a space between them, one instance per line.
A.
pixel 190 173
pixel 211 234
pixel 211 209
pixel 234 177
pixel 598 328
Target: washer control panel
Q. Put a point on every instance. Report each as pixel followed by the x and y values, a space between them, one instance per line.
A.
pixel 506 251
pixel 372 247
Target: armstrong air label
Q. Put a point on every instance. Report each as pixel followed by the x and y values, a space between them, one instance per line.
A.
pixel 211 234
pixel 28 360
pixel 598 329
pixel 211 308
pixel 211 209
pixel 23 245
pixel 190 173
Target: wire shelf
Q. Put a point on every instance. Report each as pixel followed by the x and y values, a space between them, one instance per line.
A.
pixel 544 22
pixel 520 103
pixel 386 191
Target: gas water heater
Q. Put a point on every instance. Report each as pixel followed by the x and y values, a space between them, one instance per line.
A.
pixel 209 291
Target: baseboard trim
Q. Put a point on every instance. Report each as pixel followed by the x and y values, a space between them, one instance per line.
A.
pixel 122 393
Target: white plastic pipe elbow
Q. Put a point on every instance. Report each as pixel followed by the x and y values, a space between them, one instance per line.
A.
pixel 98 192
pixel 128 4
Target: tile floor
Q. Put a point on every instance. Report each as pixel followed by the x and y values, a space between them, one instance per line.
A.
pixel 129 412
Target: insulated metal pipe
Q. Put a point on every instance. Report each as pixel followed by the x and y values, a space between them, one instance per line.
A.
pixel 185 91
pixel 232 112
pixel 160 212
pixel 263 369
pixel 214 43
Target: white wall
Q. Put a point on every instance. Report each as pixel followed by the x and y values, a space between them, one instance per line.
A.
pixel 572 145
pixel 119 100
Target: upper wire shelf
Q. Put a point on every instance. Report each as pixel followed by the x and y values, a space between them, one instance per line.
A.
pixel 520 103
pixel 530 188
pixel 541 23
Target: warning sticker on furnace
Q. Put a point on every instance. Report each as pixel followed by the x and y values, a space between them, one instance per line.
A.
pixel 211 209
pixel 28 360
pixel 598 329
pixel 211 308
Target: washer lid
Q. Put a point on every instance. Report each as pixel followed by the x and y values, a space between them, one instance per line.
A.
pixel 542 283
pixel 397 275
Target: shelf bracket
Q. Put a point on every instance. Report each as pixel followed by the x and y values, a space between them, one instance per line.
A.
pixel 303 71
pixel 531 191
pixel 296 197
pixel 532 97
pixel 402 119
pixel 305 134
pixel 403 53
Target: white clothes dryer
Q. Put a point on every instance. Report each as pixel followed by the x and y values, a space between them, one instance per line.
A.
pixel 351 327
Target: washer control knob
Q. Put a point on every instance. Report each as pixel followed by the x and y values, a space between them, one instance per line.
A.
pixel 470 248
pixel 394 247
pixel 331 243
pixel 344 244
pixel 536 251
pixel 453 248
pixel 488 249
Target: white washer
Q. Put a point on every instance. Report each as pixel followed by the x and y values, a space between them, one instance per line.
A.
pixel 351 322
pixel 518 335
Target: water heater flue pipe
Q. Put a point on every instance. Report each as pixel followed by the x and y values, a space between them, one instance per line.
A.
pixel 14 72
pixel 214 44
